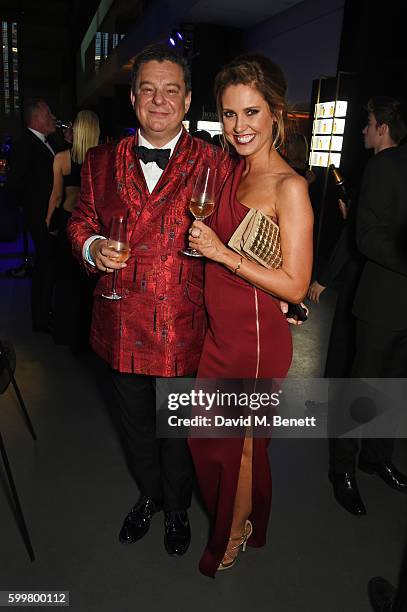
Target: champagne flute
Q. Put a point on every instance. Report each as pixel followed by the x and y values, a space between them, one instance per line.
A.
pixel 202 202
pixel 119 242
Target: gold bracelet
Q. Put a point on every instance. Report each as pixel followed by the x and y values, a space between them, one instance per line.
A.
pixel 238 265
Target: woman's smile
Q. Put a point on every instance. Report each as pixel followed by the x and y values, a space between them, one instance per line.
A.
pixel 243 139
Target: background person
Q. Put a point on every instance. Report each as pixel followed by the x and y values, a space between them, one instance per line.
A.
pixel 297 154
pixel 72 299
pixel 30 182
pixel 372 345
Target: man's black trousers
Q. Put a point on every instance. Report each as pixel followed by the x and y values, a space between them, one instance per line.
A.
pixel 162 467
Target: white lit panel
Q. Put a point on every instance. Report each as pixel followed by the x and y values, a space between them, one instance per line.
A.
pixel 323 126
pixel 335 159
pixel 319 159
pixel 327 133
pixel 338 126
pixel 337 142
pixel 213 127
pixel 186 125
pixel 341 108
pixel 321 143
pixel 324 159
pixel 325 110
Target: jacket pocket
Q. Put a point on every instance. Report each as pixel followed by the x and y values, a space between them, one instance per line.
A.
pixel 194 293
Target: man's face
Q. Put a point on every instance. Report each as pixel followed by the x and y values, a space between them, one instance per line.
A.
pixel 44 119
pixel 160 100
pixel 372 133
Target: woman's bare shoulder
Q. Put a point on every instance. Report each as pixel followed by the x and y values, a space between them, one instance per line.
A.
pixel 291 182
pixel 62 160
pixel 292 195
pixel 62 154
pixel 282 174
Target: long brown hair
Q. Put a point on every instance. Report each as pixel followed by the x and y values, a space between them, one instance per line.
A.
pixel 260 72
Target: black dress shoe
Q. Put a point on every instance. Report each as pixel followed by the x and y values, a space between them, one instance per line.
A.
pixel 137 522
pixel 177 532
pixel 346 493
pixel 387 472
pixel 381 594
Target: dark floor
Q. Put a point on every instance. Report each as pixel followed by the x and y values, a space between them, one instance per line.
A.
pixel 75 490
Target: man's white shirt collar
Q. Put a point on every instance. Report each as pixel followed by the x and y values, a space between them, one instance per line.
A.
pixel 151 171
pixel 143 142
pixel 41 136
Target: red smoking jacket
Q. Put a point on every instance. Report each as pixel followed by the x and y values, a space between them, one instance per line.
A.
pixel 158 328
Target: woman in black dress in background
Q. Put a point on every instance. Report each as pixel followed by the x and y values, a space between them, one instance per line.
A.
pixel 72 299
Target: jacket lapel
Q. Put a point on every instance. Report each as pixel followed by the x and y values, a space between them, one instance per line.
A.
pixel 162 196
pixel 41 147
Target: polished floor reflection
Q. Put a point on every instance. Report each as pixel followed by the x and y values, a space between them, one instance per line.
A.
pixel 75 490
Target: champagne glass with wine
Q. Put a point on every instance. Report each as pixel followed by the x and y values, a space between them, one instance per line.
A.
pixel 202 202
pixel 117 241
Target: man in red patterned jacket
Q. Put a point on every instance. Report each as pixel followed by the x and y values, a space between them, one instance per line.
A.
pixel 158 328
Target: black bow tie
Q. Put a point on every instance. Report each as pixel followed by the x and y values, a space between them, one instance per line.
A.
pixel 159 156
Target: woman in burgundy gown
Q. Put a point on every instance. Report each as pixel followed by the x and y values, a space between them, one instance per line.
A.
pixel 248 335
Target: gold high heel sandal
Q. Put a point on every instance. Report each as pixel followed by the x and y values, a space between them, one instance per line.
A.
pixel 248 530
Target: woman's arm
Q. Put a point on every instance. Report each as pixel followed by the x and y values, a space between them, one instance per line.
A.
pixel 58 187
pixel 295 218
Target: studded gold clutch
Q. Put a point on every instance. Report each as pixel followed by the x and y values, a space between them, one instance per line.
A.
pixel 258 238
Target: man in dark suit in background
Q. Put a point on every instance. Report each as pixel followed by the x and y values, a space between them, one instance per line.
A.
pixel 30 183
pixel 380 304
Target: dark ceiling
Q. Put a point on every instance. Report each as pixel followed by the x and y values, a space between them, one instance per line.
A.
pixel 77 13
pixel 239 14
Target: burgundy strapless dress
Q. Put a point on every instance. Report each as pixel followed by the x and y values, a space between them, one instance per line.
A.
pixel 247 337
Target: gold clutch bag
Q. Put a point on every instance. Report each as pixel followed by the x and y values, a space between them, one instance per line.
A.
pixel 258 238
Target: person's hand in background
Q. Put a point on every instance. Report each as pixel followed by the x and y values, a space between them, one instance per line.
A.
pixel 314 291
